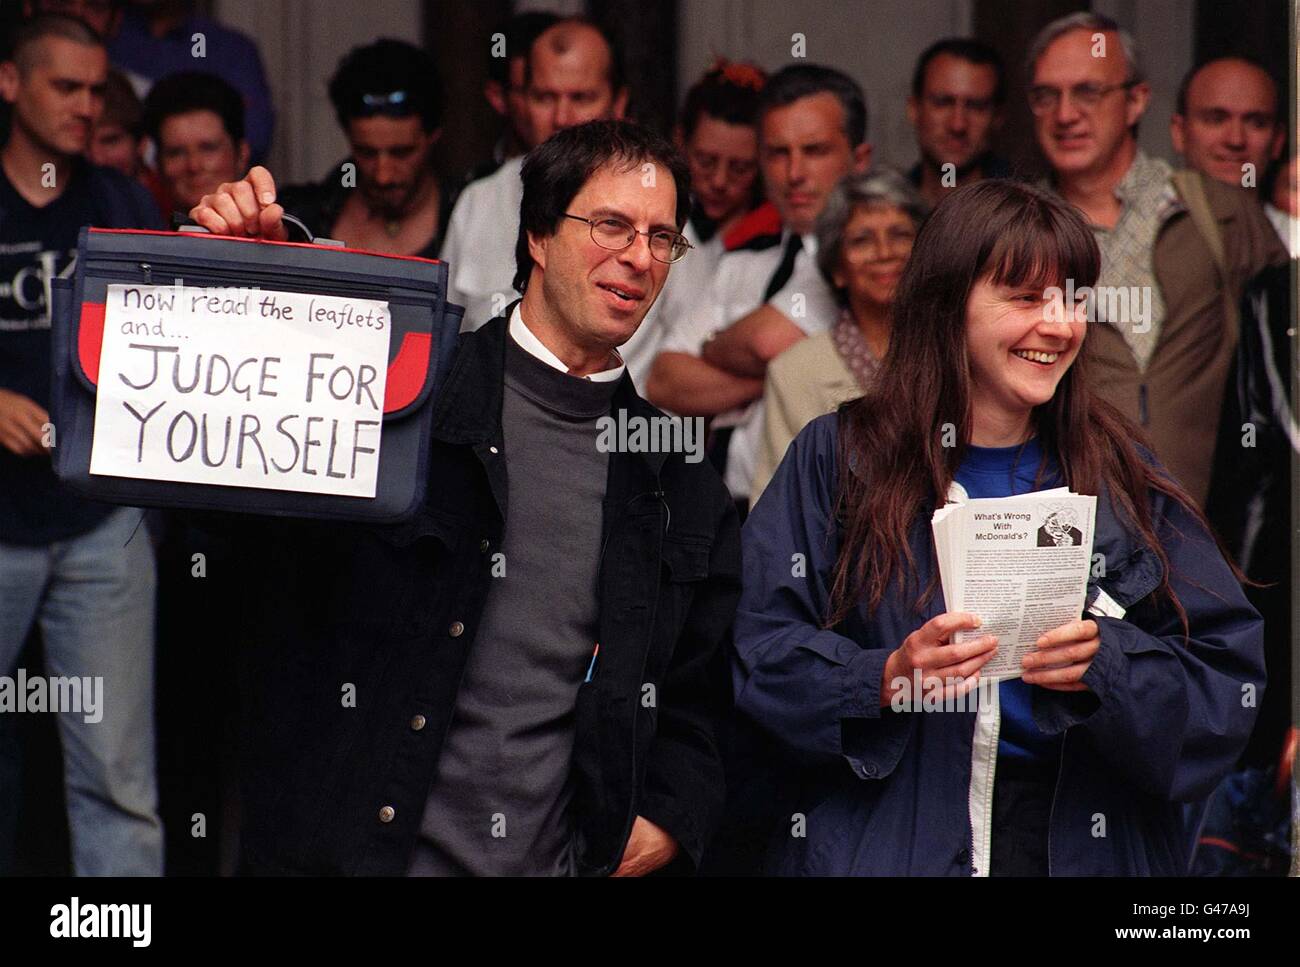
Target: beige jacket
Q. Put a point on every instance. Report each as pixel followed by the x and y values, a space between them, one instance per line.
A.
pixel 806 381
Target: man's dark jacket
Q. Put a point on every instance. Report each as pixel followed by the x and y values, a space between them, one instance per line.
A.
pixel 387 615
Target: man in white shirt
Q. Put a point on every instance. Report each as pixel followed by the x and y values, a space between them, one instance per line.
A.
pixel 573 75
pixel 767 293
pixel 718 134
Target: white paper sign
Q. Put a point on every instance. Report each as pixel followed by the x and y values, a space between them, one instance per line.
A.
pixel 242 388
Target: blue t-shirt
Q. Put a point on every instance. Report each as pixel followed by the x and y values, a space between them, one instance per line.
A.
pixel 1008 472
pixel 37 244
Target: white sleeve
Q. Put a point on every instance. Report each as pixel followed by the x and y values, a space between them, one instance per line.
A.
pixel 691 317
pixel 807 299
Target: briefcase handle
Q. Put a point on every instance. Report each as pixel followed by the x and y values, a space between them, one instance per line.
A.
pixel 291 219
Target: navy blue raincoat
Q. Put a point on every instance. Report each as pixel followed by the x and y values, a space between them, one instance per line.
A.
pixel 872 791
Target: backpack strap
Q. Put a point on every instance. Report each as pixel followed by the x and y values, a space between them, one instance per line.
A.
pixel 1191 189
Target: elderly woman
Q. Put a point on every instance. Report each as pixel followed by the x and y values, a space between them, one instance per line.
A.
pixel 1098 759
pixel 864 236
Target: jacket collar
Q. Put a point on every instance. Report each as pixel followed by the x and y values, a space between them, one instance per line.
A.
pixel 1130 569
pixel 468 410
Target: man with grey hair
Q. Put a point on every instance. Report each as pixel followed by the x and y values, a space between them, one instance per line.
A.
pixel 1177 248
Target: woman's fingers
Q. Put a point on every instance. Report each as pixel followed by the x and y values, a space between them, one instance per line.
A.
pixel 942 627
pixel 1063 675
pixel 1080 630
pixel 1061 654
pixel 945 656
pixel 964 669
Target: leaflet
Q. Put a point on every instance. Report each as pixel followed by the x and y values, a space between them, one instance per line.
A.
pixel 1020 563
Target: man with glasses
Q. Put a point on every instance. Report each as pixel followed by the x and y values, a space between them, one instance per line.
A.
pixel 538 688
pixel 386 197
pixel 1165 302
pixel 955 108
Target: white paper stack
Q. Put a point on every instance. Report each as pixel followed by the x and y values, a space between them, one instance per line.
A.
pixel 1020 563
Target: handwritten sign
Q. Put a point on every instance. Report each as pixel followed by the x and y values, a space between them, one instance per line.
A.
pixel 242 388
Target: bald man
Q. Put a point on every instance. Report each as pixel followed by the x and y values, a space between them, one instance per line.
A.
pixel 573 75
pixel 1227 118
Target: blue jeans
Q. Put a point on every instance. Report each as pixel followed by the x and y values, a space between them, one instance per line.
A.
pixel 94 598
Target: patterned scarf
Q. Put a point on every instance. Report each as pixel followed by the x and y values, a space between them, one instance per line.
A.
pixel 853 349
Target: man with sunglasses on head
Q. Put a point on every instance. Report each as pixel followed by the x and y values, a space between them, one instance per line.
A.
pixel 386 197
pixel 1165 315
pixel 536 654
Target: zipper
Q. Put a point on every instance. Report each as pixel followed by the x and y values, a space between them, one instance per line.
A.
pixel 143 271
pixel 986 805
pixel 1142 404
pixel 645 657
pixel 1060 768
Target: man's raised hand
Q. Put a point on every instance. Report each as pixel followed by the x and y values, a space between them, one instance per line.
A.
pixel 246 207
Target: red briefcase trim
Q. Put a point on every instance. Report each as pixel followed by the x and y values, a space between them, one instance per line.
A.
pixel 407 373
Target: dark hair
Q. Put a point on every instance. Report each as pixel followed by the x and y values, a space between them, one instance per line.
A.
pixel 122 105
pixel 617 79
pixel 519 32
pixel 971 51
pixel 797 81
pixel 728 92
pixel 194 91
pixel 555 171
pixel 49 25
pixel 1180 105
pixel 892 464
pixel 387 67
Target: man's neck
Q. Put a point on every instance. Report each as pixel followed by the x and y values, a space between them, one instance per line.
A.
pixel 24 165
pixel 1093 191
pixel 580 360
pixel 992 426
pixel 873 321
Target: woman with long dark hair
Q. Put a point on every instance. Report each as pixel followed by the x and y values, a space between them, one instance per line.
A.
pixel 1098 759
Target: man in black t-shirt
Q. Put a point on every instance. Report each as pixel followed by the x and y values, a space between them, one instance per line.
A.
pixel 76 567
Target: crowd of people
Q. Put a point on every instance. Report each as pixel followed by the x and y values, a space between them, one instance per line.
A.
pixel 828 316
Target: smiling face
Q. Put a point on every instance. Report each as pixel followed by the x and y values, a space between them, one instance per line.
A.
pixel 1078 138
pixel 196 154
pixel 1019 346
pixel 593 298
pixel 877 241
pixel 1231 121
